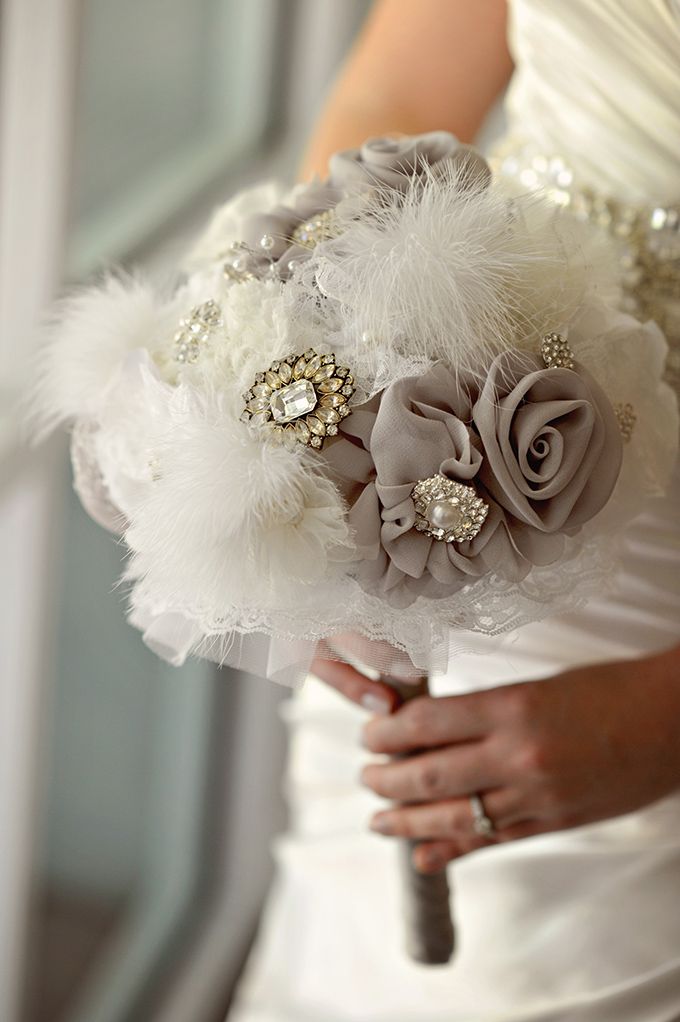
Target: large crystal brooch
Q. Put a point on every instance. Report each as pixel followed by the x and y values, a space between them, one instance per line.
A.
pixel 195 330
pixel 301 399
pixel 556 352
pixel 447 510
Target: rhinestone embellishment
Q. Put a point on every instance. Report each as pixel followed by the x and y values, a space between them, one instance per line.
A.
pixel 195 330
pixel 448 511
pixel 238 266
pixel 301 398
pixel 625 414
pixel 556 352
pixel 319 228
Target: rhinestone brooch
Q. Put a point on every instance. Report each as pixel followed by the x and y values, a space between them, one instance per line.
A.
pixel 319 228
pixel 626 417
pixel 301 398
pixel 195 330
pixel 556 352
pixel 448 511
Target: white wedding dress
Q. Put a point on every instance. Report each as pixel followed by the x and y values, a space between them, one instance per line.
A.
pixel 580 925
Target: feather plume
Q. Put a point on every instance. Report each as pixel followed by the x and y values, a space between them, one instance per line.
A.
pixel 231 519
pixel 84 344
pixel 449 272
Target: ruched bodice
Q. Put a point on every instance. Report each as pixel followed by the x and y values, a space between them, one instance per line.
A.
pixel 598 81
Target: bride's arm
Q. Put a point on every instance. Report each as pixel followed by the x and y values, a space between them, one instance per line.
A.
pixel 417 65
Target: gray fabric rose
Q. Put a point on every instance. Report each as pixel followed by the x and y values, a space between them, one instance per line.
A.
pixel 417 428
pixel 380 161
pixel 393 162
pixel 552 449
pixel 280 223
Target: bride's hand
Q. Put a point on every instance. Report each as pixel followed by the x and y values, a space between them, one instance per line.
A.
pixel 590 744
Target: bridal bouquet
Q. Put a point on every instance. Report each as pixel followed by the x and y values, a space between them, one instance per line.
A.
pixel 393 402
pixel 399 402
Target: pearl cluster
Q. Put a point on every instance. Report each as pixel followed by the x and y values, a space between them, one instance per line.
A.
pixel 626 417
pixel 239 264
pixel 195 330
pixel 320 227
pixel 301 398
pixel 448 511
pixel 556 352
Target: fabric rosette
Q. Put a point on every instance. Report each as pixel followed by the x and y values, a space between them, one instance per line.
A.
pixel 540 447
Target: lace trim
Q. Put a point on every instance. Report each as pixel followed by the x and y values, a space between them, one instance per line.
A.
pixel 428 632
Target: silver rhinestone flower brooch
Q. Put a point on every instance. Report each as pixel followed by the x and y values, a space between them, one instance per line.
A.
pixel 195 330
pixel 447 510
pixel 556 352
pixel 301 399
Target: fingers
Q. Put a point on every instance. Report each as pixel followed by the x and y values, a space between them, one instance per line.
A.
pixel 374 696
pixel 443 773
pixel 425 722
pixel 450 819
pixel 433 856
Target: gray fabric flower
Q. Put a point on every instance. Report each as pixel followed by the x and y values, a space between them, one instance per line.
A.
pixel 393 162
pixel 552 449
pixel 279 225
pixel 417 428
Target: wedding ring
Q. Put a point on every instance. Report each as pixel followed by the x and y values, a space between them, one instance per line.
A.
pixel 481 823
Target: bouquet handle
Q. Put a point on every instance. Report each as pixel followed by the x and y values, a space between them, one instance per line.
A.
pixel 430 934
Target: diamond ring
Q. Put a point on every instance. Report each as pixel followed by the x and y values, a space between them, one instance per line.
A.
pixel 481 823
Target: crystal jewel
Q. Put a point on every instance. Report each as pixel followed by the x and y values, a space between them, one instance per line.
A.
pixel 298 398
pixel 317 228
pixel 195 331
pixel 448 511
pixel 556 352
pixel 293 401
pixel 626 418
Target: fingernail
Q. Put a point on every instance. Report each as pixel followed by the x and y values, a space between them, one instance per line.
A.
pixel 381 824
pixel 375 704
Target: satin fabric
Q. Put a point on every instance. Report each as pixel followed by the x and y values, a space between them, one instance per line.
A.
pixel 581 925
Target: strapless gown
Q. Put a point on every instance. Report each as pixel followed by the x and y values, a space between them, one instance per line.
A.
pixel 581 925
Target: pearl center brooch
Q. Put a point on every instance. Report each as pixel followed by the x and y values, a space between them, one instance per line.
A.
pixel 447 510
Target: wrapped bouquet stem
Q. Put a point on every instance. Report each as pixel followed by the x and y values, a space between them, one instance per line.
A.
pixel 430 935
pixel 399 402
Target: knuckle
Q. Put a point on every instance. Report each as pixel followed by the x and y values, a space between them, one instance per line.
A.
pixel 452 820
pixel 404 825
pixel 534 760
pixel 418 717
pixel 429 779
pixel 518 702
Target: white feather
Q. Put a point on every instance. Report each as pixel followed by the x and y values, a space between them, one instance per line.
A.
pixel 448 272
pixel 83 346
pixel 232 519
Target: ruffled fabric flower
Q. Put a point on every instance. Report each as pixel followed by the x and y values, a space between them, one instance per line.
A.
pixel 393 162
pixel 418 427
pixel 552 449
pixel 628 360
pixel 269 237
